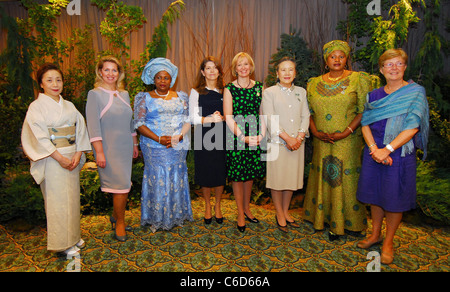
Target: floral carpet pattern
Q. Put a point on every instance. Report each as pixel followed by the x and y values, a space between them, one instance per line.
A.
pixel 196 247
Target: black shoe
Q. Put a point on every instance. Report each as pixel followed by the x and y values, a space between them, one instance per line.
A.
pixel 332 236
pixel 282 228
pixel 293 224
pixel 208 221
pixel 241 228
pixel 219 220
pixel 252 220
pixel 113 224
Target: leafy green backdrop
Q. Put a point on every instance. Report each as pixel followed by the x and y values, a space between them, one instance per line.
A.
pixel 32 41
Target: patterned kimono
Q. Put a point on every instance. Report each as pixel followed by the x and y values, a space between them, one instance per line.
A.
pixel 60 187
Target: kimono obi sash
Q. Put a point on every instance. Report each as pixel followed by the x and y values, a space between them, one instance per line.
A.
pixel 63 137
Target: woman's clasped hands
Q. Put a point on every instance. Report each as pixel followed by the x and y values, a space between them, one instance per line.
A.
pixel 293 144
pixel 381 156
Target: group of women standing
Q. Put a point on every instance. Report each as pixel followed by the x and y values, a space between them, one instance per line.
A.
pixel 243 132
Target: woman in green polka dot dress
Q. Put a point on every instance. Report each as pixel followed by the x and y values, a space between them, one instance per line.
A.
pixel 242 109
pixel 336 101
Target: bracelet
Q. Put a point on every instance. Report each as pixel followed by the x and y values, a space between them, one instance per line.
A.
pixel 350 129
pixel 136 145
pixel 241 137
pixel 390 148
pixel 159 141
pixel 374 144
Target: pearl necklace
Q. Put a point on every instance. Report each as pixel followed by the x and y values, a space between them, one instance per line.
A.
pixel 162 95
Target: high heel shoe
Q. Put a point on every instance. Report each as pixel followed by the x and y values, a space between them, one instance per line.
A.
pixel 333 236
pixel 293 224
pixel 282 228
pixel 219 220
pixel 120 238
pixel 113 224
pixel 241 228
pixel 208 221
pixel 252 220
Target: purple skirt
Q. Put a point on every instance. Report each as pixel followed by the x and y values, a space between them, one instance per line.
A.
pixel 392 188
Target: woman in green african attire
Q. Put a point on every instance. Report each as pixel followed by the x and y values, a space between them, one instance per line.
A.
pixel 336 101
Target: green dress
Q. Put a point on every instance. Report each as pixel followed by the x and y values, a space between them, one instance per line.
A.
pixel 245 163
pixel 333 178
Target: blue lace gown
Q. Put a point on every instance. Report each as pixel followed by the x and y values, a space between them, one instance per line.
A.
pixel 165 199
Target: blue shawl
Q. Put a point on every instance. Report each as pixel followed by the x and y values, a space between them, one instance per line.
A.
pixel 405 109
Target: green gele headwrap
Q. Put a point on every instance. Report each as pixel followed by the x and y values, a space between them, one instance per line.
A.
pixel 336 45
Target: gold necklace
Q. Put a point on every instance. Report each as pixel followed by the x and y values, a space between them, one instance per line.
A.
pixel 337 78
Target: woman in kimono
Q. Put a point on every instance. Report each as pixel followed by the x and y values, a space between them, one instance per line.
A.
pixel 286 108
pixel 54 137
pixel 110 124
pixel 162 119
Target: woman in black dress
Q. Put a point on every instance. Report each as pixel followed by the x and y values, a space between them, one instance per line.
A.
pixel 206 112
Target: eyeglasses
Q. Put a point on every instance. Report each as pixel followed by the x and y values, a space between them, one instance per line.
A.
pixel 391 65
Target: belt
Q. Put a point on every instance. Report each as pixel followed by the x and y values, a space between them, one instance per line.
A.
pixel 63 137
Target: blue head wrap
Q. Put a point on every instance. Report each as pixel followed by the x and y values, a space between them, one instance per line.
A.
pixel 157 65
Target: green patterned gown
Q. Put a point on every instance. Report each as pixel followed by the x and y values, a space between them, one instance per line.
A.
pixel 333 179
pixel 244 163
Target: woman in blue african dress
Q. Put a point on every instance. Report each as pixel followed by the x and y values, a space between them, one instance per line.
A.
pixel 162 119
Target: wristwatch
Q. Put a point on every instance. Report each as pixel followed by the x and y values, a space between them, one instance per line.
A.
pixel 390 148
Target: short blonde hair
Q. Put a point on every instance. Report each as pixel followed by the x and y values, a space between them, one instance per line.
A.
pixel 390 54
pixel 99 67
pixel 236 59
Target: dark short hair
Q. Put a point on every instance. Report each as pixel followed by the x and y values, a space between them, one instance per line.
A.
pixel 44 69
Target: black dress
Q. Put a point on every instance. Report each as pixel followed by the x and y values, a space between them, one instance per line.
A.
pixel 209 152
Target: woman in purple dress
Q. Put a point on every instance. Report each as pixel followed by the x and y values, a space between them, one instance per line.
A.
pixel 395 122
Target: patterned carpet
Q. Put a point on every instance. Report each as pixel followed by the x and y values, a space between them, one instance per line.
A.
pixel 196 247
